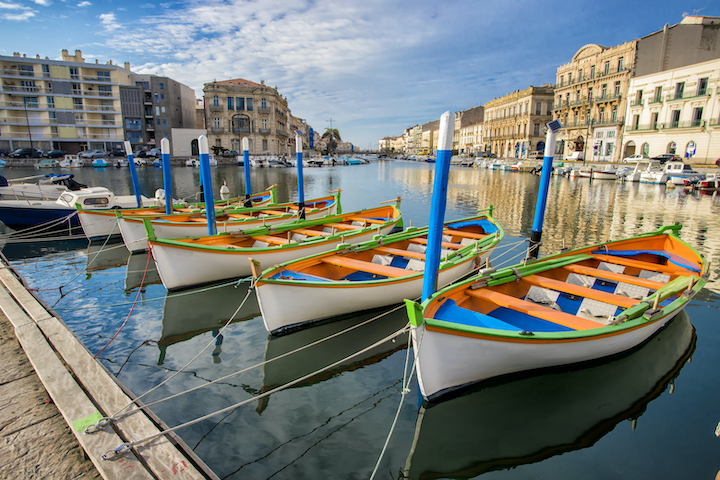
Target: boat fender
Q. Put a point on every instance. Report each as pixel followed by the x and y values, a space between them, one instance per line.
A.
pixel 486 271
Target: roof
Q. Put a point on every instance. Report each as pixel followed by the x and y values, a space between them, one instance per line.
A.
pixel 240 82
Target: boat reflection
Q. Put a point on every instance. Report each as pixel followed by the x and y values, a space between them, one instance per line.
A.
pixel 297 365
pixel 193 312
pixel 102 256
pixel 537 417
pixel 135 275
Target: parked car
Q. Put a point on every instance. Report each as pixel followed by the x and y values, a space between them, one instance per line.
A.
pixel 667 157
pixel 229 153
pixel 638 157
pixel 535 155
pixel 117 152
pixel 140 154
pixel 54 154
pixel 576 157
pixel 26 153
pixel 154 152
pixel 93 154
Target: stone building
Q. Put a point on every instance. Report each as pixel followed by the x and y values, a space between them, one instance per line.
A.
pixel 467 133
pixel 590 100
pixel 674 101
pixel 513 123
pixel 239 108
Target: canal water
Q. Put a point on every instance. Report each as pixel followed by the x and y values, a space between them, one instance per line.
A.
pixel 651 414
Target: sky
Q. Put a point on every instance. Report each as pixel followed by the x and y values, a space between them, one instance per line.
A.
pixel 369 68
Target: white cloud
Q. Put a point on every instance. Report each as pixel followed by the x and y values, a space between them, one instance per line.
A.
pixel 18 17
pixel 84 4
pixel 44 3
pixel 12 6
pixel 109 21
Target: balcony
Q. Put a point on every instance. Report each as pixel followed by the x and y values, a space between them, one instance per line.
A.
pixel 687 124
pixel 217 130
pixel 241 130
pixel 99 136
pixel 264 110
pixel 216 108
pixel 264 131
pixel 282 133
pixel 648 127
pixel 637 103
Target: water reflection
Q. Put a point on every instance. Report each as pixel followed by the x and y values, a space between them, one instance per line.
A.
pixel 281 370
pixel 193 312
pixel 102 256
pixel 140 271
pixel 528 420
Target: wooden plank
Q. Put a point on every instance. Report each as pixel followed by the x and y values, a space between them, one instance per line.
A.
pixel 616 277
pixel 343 226
pixel 160 455
pixel 310 233
pixel 460 233
pixel 386 270
pixel 630 262
pixel 271 239
pixel 400 252
pixel 423 241
pixel 539 311
pixel 275 212
pixel 584 292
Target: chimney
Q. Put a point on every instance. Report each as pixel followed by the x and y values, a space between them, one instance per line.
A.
pixel 126 65
pixel 78 56
pixel 262 82
pixel 16 54
pixel 96 61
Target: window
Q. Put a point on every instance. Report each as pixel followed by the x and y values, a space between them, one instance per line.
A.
pixel 162 86
pixel 231 103
pixel 239 103
pixel 697 116
pixel 162 96
pixel 216 122
pixel 157 98
pixel 536 129
pixel 562 78
pixel 31 102
pixel 675 119
pixel 592 71
pixel 636 122
pixel 28 86
pixel 76 89
pixel 601 117
pixel 216 101
pixel 134 137
pixel 638 97
pixel 164 123
pixel 657 96
pixel 77 104
pixel 590 93
pixel 79 118
pixel 570 78
pixel 107 119
pixel 249 104
pixel 158 122
pixel 162 109
pixel 133 124
pixel 603 91
pixel 679 89
pixel 46 70
pixel 74 73
pixel 105 90
pixel 702 86
pixel 157 111
pixel 264 145
pixel 263 104
pixel 617 88
pixel 653 120
pixel 549 109
pixel 103 75
pixel 607 68
pixel 538 108
pixel 580 77
pixel 263 123
pixel 50 102
pixel 620 63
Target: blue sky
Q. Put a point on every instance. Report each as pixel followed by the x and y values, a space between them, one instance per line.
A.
pixel 375 67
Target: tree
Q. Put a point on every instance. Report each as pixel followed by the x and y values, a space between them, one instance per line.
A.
pixel 332 136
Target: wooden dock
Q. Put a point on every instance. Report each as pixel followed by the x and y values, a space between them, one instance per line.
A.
pixel 36 426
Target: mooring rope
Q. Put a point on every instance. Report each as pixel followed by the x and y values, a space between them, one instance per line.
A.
pixel 125 447
pixel 50 224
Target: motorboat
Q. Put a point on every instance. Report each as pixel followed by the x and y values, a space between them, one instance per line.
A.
pixel 642 166
pixel 608 173
pixel 675 172
pixel 46 187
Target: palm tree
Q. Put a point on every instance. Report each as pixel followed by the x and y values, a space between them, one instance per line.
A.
pixel 333 136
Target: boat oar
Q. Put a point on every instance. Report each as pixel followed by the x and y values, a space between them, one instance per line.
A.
pixel 437 206
pixel 536 234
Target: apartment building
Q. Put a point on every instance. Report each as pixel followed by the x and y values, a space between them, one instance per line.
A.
pixel 676 111
pixel 65 104
pixel 467 133
pixel 590 101
pixel 239 108
pixel 73 105
pixel 513 123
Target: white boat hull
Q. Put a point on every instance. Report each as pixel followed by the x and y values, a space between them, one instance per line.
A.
pixel 604 175
pixel 316 302
pixel 184 267
pixel 447 361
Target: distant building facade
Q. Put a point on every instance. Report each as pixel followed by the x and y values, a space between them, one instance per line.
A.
pixel 239 108
pixel 590 100
pixel 467 134
pixel 513 123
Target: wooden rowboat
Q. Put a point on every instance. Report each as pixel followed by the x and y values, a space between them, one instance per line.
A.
pixel 194 224
pixel 374 274
pixel 102 223
pixel 184 262
pixel 575 306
